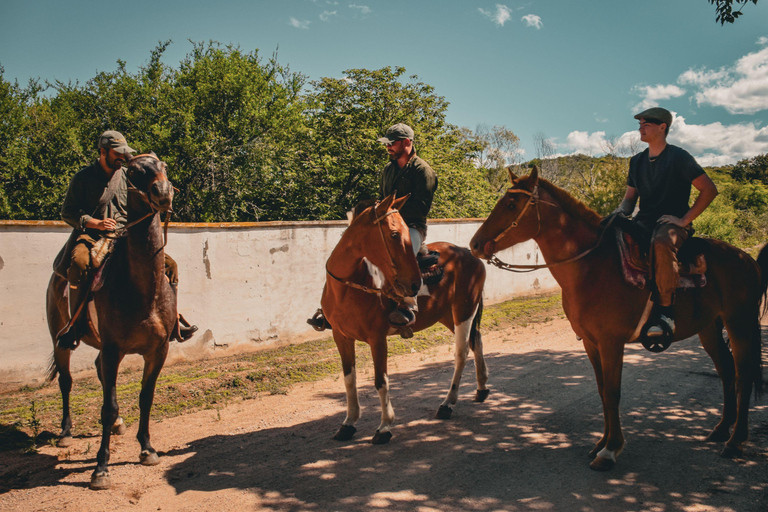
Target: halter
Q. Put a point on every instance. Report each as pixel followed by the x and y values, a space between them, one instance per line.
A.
pixel 534 200
pixel 368 289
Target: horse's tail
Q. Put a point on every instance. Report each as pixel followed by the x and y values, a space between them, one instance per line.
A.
pixel 474 332
pixel 52 372
pixel 762 261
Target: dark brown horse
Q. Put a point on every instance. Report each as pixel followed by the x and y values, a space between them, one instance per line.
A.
pixel 607 313
pixel 135 307
pixel 374 263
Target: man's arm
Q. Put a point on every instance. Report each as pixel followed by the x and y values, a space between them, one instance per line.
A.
pixel 707 193
pixel 627 205
pixel 73 215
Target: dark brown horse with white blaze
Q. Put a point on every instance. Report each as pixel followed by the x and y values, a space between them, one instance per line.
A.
pixel 605 311
pixel 377 246
pixel 135 310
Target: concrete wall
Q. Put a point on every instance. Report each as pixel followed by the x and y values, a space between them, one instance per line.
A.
pixel 247 286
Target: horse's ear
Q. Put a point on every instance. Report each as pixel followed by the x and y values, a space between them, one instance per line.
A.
pixel 400 201
pixel 512 176
pixel 534 176
pixel 386 204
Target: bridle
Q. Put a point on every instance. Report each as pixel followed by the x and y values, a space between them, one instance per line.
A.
pixel 533 199
pixel 369 289
pixel 122 232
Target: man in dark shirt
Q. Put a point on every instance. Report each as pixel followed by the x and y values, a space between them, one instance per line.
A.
pixel 95 204
pixel 405 174
pixel 661 177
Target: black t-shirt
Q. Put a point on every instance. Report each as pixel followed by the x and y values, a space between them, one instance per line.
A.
pixel 664 185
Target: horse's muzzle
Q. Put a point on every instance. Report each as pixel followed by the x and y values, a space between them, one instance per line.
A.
pixel 161 195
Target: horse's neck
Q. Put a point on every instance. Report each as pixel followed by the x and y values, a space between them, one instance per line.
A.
pixel 146 262
pixel 563 238
pixel 346 260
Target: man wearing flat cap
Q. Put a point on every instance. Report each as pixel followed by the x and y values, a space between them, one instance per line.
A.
pixel 661 177
pixel 95 204
pixel 405 174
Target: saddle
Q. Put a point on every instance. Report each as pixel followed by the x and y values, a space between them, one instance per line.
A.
pixel 431 271
pixel 634 244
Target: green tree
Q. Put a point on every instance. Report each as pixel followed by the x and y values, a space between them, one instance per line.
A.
pixel 725 12
pixel 748 169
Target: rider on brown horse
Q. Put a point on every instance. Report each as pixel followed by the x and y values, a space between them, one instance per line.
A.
pixel 406 174
pixel 661 176
pixel 94 205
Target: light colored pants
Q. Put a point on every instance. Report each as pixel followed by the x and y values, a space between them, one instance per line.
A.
pixel 666 241
pixel 416 239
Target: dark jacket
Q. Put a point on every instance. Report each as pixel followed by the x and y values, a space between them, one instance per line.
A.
pixel 416 178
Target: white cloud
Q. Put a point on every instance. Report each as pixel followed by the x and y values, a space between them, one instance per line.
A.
pixel 740 89
pixel 711 144
pixel 501 15
pixel 532 20
pixel 652 94
pixel 364 9
pixel 762 40
pixel 326 15
pixel 298 23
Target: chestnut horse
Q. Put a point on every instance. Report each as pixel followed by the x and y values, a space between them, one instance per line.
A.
pixel 607 313
pixel 136 308
pixel 377 247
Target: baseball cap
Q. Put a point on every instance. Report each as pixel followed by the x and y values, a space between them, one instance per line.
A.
pixel 397 132
pixel 656 114
pixel 116 141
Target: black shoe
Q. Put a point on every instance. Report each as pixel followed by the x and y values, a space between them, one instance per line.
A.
pixel 186 332
pixel 664 325
pixel 318 321
pixel 69 339
pixel 402 317
pixel 428 260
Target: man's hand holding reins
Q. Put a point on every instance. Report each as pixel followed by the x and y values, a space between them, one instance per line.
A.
pixel 102 224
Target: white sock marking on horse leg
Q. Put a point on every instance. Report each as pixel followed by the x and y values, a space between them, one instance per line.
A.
pixel 353 404
pixel 387 412
pixel 607 454
pixel 461 349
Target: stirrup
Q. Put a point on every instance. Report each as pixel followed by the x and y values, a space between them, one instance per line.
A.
pixel 318 321
pixel 656 335
pixel 402 317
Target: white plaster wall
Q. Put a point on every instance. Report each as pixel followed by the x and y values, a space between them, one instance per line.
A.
pixel 246 286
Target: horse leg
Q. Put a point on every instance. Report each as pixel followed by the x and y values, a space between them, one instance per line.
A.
pixel 61 366
pixel 153 363
pixel 712 340
pixel 611 362
pixel 119 427
pixel 381 381
pixel 461 333
pixel 346 348
pixel 742 333
pixel 594 357
pixel 110 360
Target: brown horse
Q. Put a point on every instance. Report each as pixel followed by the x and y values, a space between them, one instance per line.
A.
pixel 607 313
pixel 136 308
pixel 376 249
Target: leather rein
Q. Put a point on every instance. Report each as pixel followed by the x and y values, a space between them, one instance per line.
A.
pixel 123 232
pixel 533 199
pixel 370 289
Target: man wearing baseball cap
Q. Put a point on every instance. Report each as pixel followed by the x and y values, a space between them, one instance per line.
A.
pixel 96 203
pixel 405 174
pixel 661 177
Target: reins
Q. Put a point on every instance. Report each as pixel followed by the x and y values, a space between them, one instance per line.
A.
pixel 370 289
pixel 534 200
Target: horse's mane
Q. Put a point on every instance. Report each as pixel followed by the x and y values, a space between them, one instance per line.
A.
pixel 570 204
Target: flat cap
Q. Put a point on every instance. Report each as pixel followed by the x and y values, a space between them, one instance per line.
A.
pixel 656 114
pixel 116 141
pixel 397 132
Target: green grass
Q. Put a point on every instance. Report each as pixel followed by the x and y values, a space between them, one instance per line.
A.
pixel 210 384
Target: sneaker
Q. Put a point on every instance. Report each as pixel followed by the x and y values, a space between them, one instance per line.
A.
pixel 659 328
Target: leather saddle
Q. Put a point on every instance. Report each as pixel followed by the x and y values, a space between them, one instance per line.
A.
pixel 634 243
pixel 431 271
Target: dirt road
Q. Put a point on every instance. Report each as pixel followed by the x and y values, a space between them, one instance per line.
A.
pixel 524 449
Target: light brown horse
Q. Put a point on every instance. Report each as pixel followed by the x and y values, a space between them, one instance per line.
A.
pixel 606 312
pixel 374 261
pixel 135 307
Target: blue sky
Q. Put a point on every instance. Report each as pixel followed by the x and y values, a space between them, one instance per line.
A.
pixel 573 71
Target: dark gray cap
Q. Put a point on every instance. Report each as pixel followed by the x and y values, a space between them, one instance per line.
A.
pixel 116 141
pixel 656 114
pixel 397 132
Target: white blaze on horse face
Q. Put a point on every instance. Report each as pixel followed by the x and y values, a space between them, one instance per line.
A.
pixel 376 274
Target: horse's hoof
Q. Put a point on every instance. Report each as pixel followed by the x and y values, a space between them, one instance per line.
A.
pixel 64 442
pixel 602 464
pixel 100 481
pixel 718 436
pixel 119 427
pixel 345 433
pixel 381 437
pixel 482 394
pixel 147 458
pixel 444 412
pixel 731 453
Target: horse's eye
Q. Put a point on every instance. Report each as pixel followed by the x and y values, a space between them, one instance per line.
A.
pixel 395 234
